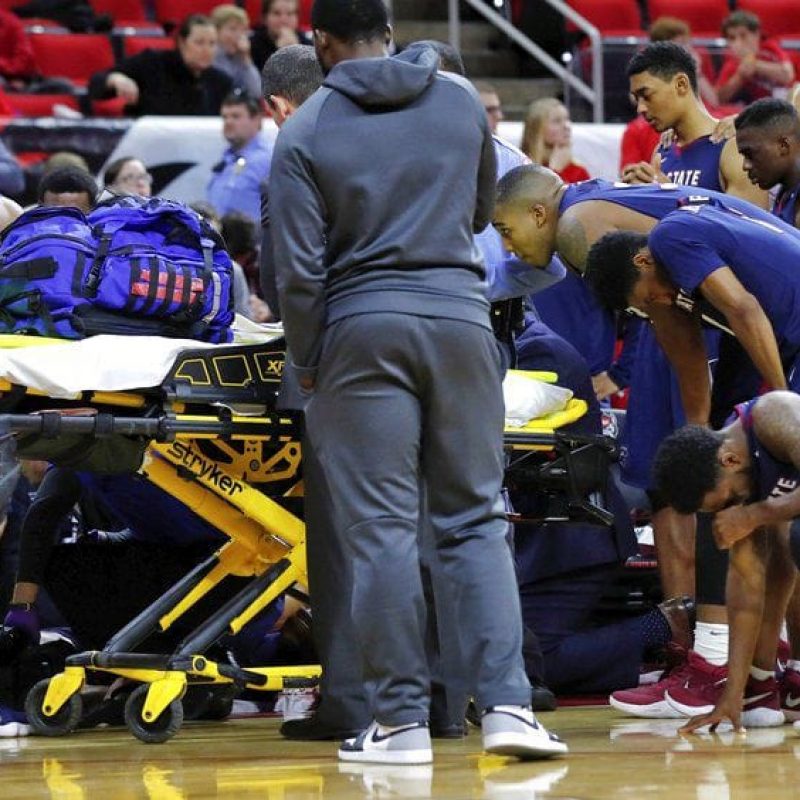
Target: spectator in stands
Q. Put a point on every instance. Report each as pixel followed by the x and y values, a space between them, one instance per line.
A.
pixel 491 103
pixel 170 82
pixel 128 175
pixel 17 62
pixel 547 139
pixel 235 183
pixel 68 186
pixel 278 29
pixel 233 52
pixel 754 67
pixel 12 179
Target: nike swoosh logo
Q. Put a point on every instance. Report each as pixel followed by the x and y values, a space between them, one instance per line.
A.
pixel 376 737
pixel 791 702
pixel 757 697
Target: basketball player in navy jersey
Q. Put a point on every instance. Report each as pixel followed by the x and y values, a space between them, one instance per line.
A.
pixel 768 139
pixel 743 267
pixel 537 214
pixel 663 83
pixel 749 473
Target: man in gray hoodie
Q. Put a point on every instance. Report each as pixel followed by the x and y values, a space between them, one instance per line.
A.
pixel 379 181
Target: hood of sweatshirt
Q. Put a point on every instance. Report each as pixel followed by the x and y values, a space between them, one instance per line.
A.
pixel 386 82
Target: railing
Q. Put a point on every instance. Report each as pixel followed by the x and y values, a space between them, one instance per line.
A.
pixel 593 93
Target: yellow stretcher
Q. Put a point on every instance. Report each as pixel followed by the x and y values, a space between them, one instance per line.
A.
pixel 239 471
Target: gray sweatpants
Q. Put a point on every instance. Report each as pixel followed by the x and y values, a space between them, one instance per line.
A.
pixel 403 401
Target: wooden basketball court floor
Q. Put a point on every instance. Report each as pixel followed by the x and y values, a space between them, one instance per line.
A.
pixel 611 757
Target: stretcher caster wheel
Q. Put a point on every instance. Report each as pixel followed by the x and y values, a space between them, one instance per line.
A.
pixel 159 730
pixel 64 721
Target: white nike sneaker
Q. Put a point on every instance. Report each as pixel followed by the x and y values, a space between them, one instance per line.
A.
pixel 515 731
pixel 410 744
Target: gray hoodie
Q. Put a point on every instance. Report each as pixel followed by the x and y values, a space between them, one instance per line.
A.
pixel 378 182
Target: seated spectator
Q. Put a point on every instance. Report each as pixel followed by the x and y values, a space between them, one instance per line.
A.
pixel 278 29
pixel 128 176
pixel 17 62
pixel 64 158
pixel 170 82
pixel 755 67
pixel 547 139
pixel 233 50
pixel 68 186
pixel 235 183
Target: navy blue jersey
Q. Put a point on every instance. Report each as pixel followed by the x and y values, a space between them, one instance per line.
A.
pixel 652 199
pixel 695 164
pixel 786 204
pixel 772 478
pixel 761 250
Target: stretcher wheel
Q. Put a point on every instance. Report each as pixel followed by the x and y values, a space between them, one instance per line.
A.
pixel 160 729
pixel 64 721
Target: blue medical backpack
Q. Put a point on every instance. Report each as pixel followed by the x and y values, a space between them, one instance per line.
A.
pixel 132 266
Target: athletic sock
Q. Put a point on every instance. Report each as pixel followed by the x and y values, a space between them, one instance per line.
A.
pixel 711 642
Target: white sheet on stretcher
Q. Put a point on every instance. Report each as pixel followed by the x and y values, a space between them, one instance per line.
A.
pixel 107 363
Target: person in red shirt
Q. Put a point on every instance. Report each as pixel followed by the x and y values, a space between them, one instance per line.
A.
pixel 754 67
pixel 17 62
pixel 547 139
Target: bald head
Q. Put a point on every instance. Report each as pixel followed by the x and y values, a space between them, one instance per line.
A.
pixel 526 212
pixel 528 183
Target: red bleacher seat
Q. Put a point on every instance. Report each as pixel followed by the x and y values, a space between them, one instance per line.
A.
pixel 611 17
pixel 39 105
pixel 778 17
pixel 175 11
pixel 131 45
pixel 76 56
pixel 123 11
pixel 704 17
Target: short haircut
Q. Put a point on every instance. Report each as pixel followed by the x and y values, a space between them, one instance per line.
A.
pixel 293 72
pixel 239 97
pixel 527 181
pixel 665 29
pixel 115 167
pixel 449 58
pixel 769 112
pixel 665 60
pixel 610 271
pixel 741 19
pixel 351 20
pixel 222 15
pixel 686 467
pixel 193 21
pixel 68 180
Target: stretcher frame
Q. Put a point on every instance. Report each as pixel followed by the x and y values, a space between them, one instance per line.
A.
pixel 197 402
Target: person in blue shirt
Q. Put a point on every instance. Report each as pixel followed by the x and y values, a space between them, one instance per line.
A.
pixel 749 473
pixel 235 183
pixel 742 267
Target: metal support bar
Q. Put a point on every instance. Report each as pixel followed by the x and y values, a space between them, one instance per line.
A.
pixel 593 94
